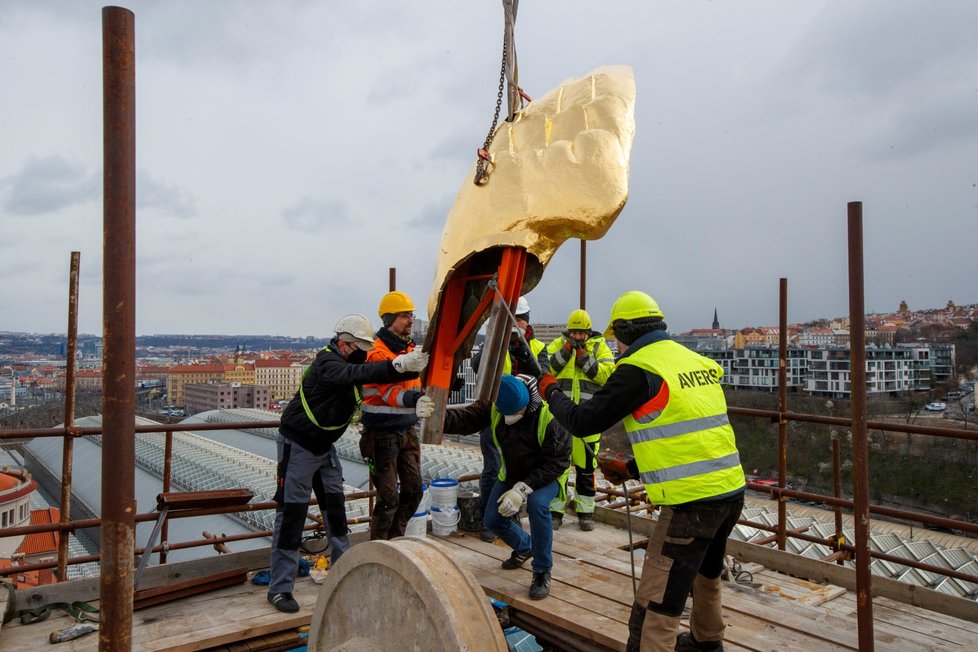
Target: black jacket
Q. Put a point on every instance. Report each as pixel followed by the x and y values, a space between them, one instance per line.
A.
pixel 526 460
pixel 329 388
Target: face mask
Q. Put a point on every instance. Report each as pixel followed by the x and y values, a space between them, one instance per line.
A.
pixel 510 419
pixel 357 356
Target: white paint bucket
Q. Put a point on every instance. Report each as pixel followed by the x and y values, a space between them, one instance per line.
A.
pixel 444 520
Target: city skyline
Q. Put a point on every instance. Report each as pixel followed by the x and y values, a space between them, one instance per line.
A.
pixel 299 155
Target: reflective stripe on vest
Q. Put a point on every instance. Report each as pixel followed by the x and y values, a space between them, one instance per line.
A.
pixel 686 451
pixel 309 415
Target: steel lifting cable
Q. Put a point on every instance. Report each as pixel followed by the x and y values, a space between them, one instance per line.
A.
pixel 507 70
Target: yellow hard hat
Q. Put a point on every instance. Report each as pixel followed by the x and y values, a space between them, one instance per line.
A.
pixel 579 320
pixel 395 302
pixel 632 305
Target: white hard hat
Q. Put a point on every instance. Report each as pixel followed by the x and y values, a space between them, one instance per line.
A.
pixel 522 307
pixel 356 329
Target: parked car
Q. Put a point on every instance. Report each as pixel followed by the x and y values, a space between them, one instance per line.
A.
pixel 936 407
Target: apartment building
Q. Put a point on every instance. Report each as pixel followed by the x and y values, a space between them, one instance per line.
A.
pixel 182 375
pixel 201 397
pixel 281 377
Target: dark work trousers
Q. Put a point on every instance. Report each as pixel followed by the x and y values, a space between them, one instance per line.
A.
pixel 300 473
pixel 490 468
pixel 687 540
pixel 393 456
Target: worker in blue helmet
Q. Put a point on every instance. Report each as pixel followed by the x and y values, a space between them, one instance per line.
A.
pixel 534 452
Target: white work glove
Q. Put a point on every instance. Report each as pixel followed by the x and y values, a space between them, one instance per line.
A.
pixel 425 407
pixel 511 501
pixel 413 362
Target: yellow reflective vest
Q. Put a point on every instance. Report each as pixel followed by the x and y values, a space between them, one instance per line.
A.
pixel 686 451
pixel 579 388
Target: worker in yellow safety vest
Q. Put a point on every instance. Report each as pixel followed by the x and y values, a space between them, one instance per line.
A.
pixel 581 362
pixel 684 452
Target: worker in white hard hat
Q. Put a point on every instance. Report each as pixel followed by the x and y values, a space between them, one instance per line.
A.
pixel 389 442
pixel 529 359
pixel 327 402
pixel 581 362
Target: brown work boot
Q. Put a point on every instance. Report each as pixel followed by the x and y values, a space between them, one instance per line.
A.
pixel 557 519
pixel 585 522
pixel 686 643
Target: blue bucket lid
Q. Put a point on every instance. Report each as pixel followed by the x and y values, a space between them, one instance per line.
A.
pixel 444 482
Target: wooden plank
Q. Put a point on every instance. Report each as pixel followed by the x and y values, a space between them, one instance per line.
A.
pixel 87 589
pixel 598 583
pixel 608 633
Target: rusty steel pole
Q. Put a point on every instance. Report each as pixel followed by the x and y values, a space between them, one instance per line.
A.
pixel 67 449
pixel 118 328
pixel 782 408
pixel 392 279
pixel 583 305
pixel 837 488
pixel 167 475
pixel 860 449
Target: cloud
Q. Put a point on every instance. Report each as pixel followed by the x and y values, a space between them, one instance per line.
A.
pixel 316 215
pixel 432 217
pixel 164 197
pixel 48 184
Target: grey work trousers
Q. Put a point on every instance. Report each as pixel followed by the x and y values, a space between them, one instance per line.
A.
pixel 300 473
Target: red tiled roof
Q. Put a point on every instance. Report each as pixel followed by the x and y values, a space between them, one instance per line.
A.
pixel 41 542
pixel 8 481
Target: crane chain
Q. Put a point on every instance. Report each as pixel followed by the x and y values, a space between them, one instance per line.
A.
pixel 483 164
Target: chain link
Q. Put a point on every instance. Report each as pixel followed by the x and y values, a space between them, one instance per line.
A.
pixel 483 162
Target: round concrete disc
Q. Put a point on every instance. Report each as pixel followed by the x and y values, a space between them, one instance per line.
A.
pixel 405 594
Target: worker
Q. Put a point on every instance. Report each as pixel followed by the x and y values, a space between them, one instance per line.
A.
pixel 319 413
pixel 534 451
pixel 581 362
pixel 389 444
pixel 684 452
pixel 528 358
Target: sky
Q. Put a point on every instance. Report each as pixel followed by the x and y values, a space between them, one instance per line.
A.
pixel 290 153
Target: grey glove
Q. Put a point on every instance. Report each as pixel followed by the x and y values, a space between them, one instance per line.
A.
pixel 511 501
pixel 424 408
pixel 413 362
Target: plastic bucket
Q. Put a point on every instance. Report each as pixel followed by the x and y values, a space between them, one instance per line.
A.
pixel 444 520
pixel 425 503
pixel 417 525
pixel 470 511
pixel 444 493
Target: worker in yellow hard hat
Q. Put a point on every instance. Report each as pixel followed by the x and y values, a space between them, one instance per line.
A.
pixel 581 361
pixel 389 443
pixel 684 451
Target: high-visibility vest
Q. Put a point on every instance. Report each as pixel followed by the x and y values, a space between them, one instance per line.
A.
pixel 686 451
pixel 387 398
pixel 542 423
pixel 309 415
pixel 579 388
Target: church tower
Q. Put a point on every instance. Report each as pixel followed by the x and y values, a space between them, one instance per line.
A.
pixel 716 321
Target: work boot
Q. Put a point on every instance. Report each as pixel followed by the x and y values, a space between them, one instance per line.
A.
pixel 487 535
pixel 284 602
pixel 686 643
pixel 558 519
pixel 540 586
pixel 585 522
pixel 516 560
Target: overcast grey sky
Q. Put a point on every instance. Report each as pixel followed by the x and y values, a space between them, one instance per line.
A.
pixel 290 153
